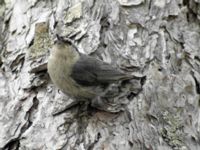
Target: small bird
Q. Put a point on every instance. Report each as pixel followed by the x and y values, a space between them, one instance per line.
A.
pixel 77 74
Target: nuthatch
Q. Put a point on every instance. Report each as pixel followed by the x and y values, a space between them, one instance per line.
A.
pixel 77 74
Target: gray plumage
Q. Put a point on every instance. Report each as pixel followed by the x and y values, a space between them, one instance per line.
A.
pixel 89 71
pixel 77 74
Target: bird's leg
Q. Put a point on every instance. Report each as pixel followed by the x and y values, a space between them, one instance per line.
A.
pixel 83 107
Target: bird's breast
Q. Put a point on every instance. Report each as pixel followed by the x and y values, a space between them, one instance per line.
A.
pixel 60 74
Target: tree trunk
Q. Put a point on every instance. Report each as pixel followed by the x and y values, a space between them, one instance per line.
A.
pixel 157 39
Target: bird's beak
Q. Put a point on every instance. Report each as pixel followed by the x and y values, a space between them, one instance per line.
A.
pixel 48 52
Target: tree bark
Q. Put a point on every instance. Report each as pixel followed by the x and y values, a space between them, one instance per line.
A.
pixel 157 39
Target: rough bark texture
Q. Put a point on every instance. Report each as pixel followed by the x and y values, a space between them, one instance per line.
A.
pixel 159 39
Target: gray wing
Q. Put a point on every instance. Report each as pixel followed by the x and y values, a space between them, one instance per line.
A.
pixel 89 71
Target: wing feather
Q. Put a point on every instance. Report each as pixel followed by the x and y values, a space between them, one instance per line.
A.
pixel 89 71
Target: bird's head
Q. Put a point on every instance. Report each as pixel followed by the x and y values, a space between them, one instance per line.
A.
pixel 64 47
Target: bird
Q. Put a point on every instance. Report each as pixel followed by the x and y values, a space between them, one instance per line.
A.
pixel 79 75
